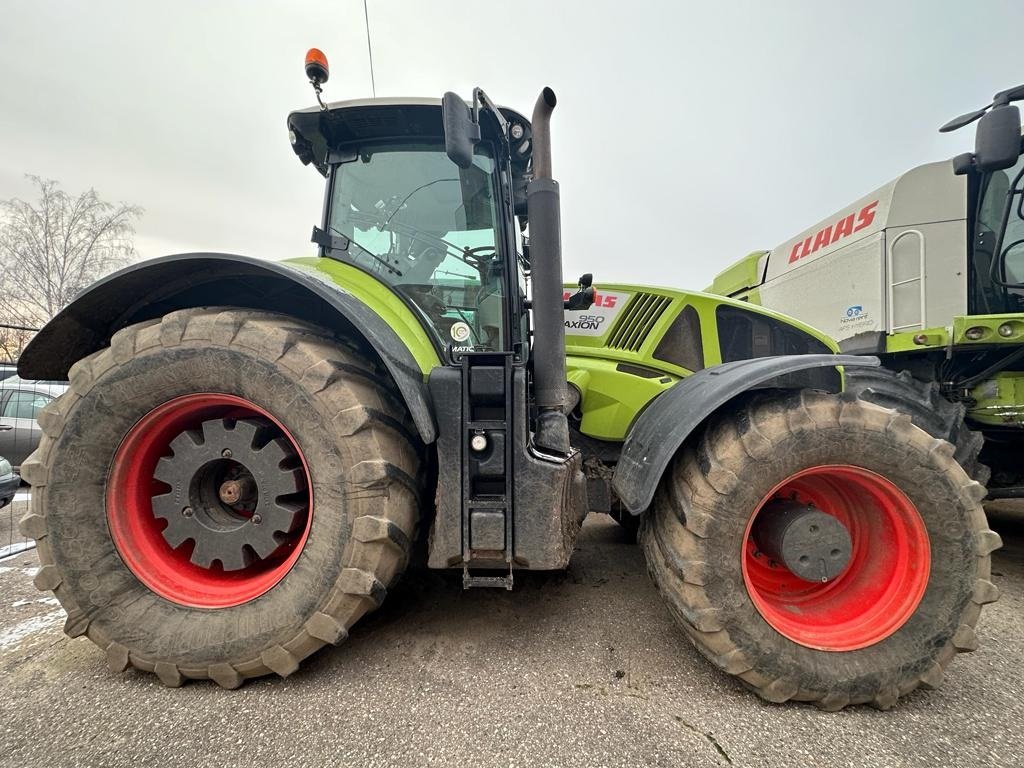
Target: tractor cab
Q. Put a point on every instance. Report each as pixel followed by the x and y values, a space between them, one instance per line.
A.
pixel 396 206
pixel 423 195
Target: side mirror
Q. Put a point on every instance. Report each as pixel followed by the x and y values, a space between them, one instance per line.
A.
pixel 997 142
pixel 461 132
pixel 584 297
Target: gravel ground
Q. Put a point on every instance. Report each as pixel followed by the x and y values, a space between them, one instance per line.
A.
pixel 580 668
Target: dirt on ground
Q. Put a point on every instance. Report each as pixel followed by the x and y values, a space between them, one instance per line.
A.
pixel 580 668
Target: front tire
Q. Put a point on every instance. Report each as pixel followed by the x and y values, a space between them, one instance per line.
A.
pixel 221 493
pixel 916 578
pixel 927 408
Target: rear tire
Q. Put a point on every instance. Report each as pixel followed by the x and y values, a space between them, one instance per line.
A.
pixel 696 539
pixel 340 413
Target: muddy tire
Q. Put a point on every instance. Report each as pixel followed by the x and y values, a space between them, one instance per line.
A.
pixel 330 448
pixel 916 525
pixel 927 408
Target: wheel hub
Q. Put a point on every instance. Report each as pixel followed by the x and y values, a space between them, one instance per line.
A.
pixel 233 488
pixel 241 490
pixel 813 545
pixel 867 557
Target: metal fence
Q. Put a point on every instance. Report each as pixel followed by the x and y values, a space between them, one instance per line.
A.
pixel 20 403
pixel 11 541
pixel 19 433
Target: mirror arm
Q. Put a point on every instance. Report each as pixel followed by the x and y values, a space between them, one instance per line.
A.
pixel 479 97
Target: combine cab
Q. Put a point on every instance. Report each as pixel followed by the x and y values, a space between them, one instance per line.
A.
pixel 249 450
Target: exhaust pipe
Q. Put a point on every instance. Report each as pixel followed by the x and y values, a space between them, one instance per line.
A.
pixel 542 134
pixel 548 354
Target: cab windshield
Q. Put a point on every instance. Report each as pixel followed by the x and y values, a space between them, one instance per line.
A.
pixel 417 221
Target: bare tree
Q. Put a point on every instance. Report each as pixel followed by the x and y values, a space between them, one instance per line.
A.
pixel 13 339
pixel 51 249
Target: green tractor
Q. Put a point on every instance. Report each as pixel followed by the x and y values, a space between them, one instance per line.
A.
pixel 249 451
pixel 927 273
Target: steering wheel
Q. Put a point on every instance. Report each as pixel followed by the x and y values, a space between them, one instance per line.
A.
pixel 473 253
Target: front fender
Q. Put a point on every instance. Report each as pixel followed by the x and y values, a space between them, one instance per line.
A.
pixel 154 288
pixel 673 416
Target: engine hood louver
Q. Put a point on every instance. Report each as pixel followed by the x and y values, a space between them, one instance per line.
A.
pixel 639 317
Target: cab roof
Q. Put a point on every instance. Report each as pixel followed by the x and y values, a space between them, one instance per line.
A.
pixel 314 132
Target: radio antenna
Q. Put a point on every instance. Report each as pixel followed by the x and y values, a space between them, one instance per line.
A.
pixel 369 49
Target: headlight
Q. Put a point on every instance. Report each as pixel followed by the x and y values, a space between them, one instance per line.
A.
pixel 5 467
pixel 975 333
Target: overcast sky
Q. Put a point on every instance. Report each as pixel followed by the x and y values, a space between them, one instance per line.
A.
pixel 686 135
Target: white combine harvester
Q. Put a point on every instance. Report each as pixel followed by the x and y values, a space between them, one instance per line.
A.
pixel 928 273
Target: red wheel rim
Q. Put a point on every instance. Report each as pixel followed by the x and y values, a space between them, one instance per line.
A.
pixel 137 532
pixel 882 584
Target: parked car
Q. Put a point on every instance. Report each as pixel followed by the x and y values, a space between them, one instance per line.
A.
pixel 20 402
pixel 9 482
pixel 7 370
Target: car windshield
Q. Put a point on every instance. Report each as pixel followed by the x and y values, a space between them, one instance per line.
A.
pixel 420 223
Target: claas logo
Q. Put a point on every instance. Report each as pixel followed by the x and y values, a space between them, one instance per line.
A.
pixel 833 233
pixel 600 299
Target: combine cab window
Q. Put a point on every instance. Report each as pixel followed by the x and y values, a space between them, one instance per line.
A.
pixel 987 296
pixel 428 228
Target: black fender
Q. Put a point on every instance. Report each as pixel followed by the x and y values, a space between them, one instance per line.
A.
pixel 154 288
pixel 672 417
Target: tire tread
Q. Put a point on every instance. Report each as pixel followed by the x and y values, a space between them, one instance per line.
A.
pixel 356 387
pixel 674 536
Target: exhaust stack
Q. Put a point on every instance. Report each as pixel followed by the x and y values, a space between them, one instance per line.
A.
pixel 548 354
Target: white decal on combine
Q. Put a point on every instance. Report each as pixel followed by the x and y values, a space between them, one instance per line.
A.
pixel 856 316
pixel 599 318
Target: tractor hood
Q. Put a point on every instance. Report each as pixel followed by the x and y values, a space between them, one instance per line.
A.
pixel 637 341
pixel 314 132
pixel 681 332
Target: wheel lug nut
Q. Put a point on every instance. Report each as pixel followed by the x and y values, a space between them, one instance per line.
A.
pixel 256 519
pixel 226 453
pixel 187 511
